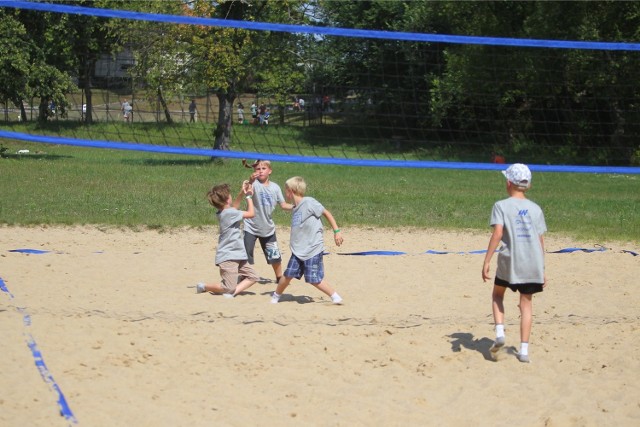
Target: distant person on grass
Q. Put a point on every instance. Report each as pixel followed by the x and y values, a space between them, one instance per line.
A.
pixel 235 271
pixel 126 111
pixel 519 224
pixel 240 114
pixel 266 196
pixel 307 243
pixel 193 110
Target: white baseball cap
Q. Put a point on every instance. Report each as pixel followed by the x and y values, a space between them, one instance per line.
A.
pixel 518 174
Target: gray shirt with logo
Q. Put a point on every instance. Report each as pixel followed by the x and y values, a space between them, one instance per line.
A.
pixel 521 259
pixel 265 200
pixel 230 242
pixel 306 229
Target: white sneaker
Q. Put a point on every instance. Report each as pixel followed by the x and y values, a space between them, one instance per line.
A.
pixel 524 358
pixel 200 288
pixel 275 298
pixel 337 300
pixel 226 295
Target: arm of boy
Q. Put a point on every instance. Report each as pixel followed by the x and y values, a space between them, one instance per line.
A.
pixel 494 241
pixel 247 190
pixel 287 206
pixel 242 194
pixel 544 284
pixel 337 234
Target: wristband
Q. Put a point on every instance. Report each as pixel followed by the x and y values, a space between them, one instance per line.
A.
pixel 336 231
pixel 248 196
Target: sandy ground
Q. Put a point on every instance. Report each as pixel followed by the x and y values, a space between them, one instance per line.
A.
pixel 125 340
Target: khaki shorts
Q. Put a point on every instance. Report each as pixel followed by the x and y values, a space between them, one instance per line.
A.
pixel 233 272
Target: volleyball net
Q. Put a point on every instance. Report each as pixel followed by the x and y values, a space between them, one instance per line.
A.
pixel 185 84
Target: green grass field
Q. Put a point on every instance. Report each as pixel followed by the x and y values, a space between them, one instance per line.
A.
pixel 70 185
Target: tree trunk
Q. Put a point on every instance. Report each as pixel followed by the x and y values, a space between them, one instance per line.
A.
pixel 43 112
pixel 222 132
pixel 23 113
pixel 165 108
pixel 87 116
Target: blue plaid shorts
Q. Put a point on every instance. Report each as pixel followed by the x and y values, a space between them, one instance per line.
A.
pixel 312 269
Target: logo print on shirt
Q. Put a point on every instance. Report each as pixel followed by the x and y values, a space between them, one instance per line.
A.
pixel 296 219
pixel 266 200
pixel 524 225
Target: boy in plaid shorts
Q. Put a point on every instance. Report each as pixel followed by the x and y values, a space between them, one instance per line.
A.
pixel 307 245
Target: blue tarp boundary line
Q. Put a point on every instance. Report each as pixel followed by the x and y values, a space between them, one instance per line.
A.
pixel 394 253
pixel 306 159
pixel 65 411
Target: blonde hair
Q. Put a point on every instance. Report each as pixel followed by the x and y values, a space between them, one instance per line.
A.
pixel 266 163
pixel 219 194
pixel 296 185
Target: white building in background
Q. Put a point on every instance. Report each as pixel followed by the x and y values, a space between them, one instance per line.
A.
pixel 113 70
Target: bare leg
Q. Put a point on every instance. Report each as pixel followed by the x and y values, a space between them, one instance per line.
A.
pixel 325 287
pixel 498 304
pixel 277 269
pixel 526 317
pixel 216 288
pixel 282 284
pixel 243 285
pixel 328 289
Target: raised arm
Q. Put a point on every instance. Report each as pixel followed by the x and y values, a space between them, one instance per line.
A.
pixel 241 194
pixel 247 192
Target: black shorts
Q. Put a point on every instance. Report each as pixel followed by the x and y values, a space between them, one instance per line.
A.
pixel 523 288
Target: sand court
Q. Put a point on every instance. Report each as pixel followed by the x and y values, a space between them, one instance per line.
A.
pixel 127 341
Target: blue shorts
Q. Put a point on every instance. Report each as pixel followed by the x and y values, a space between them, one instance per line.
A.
pixel 312 269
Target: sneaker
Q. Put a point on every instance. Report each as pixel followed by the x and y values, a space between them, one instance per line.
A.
pixel 497 344
pixel 200 288
pixel 337 300
pixel 524 358
pixel 226 295
pixel 275 298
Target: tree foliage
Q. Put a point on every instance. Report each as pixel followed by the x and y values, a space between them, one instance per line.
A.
pixel 567 98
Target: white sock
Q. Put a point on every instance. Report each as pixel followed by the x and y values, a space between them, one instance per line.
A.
pixel 499 330
pixel 524 348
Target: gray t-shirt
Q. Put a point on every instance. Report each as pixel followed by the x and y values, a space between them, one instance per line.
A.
pixel 230 242
pixel 306 229
pixel 265 199
pixel 521 259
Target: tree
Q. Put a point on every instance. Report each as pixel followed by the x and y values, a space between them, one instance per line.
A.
pixel 88 38
pixel 161 60
pixel 14 62
pixel 231 60
pixel 386 76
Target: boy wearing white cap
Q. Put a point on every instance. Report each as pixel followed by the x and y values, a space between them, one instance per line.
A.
pixel 519 224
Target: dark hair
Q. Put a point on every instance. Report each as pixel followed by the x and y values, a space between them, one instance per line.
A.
pixel 219 195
